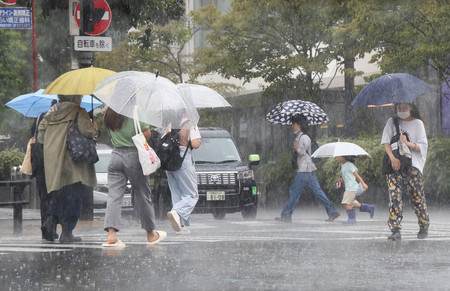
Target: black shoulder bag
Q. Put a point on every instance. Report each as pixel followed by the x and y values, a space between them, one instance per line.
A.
pixel 405 162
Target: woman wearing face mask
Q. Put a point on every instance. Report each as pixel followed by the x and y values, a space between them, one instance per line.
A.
pixel 410 181
pixel 306 173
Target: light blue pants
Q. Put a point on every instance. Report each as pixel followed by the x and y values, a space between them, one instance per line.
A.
pixel 183 188
pixel 124 166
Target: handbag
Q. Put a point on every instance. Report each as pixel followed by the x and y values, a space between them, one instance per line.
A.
pixel 148 158
pixel 404 155
pixel 27 165
pixel 81 148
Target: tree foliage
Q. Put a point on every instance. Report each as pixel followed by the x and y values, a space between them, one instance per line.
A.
pixel 283 42
pixel 407 35
pixel 129 13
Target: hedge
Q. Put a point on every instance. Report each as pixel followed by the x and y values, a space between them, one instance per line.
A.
pixel 9 158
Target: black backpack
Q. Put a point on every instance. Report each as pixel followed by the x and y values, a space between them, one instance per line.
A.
pixel 168 149
pixel 405 162
pixel 314 147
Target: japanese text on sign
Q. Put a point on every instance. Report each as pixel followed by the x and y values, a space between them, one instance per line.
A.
pixel 15 18
pixel 92 43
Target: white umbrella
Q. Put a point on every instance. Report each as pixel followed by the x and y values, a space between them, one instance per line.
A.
pixel 203 97
pixel 336 149
pixel 158 100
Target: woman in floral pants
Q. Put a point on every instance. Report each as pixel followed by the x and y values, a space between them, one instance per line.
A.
pixel 409 181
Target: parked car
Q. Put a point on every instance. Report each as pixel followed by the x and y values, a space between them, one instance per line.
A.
pixel 101 170
pixel 225 181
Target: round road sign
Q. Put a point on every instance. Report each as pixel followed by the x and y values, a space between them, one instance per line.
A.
pixel 103 24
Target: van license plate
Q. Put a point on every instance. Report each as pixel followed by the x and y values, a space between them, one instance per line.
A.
pixel 215 195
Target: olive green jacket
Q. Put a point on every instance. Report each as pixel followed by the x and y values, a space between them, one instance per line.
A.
pixel 60 169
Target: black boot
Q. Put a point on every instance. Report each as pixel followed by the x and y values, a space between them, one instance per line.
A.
pixel 396 235
pixel 422 234
pixel 49 229
pixel 67 237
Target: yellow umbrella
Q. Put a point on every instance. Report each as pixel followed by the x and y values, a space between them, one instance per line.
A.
pixel 78 82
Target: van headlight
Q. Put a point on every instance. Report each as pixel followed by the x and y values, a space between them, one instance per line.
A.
pixel 246 175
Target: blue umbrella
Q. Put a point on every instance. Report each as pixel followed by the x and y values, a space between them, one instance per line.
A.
pixel 283 112
pixel 33 104
pixel 391 88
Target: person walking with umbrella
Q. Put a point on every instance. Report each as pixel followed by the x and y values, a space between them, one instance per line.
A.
pixel 400 180
pixel 125 166
pixel 349 176
pixel 345 152
pixel 306 173
pixel 63 176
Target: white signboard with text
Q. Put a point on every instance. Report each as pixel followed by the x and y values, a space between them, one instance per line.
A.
pixel 92 43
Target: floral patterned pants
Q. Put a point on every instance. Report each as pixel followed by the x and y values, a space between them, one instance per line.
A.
pixel 410 183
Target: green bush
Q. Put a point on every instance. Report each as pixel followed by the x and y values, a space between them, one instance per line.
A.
pixel 436 171
pixel 9 158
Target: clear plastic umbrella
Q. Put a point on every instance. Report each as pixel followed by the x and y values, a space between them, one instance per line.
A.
pixel 336 149
pixel 158 100
pixel 204 97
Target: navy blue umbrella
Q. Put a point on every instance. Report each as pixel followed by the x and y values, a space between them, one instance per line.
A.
pixel 283 112
pixel 391 88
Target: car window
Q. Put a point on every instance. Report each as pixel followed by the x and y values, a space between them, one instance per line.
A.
pixel 102 165
pixel 216 150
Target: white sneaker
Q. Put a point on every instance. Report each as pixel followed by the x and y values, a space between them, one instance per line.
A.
pixel 174 220
pixel 184 230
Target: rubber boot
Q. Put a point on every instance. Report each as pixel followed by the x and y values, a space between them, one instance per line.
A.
pixel 351 217
pixel 396 235
pixel 67 236
pixel 368 208
pixel 49 229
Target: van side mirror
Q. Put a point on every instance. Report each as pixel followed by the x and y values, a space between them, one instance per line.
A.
pixel 254 159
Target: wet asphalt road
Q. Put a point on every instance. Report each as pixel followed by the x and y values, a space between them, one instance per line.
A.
pixel 233 254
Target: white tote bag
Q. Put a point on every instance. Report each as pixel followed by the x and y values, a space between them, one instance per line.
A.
pixel 149 160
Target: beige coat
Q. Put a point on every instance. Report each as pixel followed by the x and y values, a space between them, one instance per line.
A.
pixel 60 169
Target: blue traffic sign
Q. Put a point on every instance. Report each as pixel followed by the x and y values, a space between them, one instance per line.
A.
pixel 15 18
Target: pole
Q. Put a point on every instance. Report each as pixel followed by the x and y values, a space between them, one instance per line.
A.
pixel 34 49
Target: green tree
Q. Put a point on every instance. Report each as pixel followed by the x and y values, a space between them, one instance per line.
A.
pixel 283 42
pixel 407 36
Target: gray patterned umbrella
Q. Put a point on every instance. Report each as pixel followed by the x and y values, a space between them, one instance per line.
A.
pixel 283 112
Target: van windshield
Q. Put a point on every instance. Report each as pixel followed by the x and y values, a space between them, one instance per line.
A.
pixel 216 151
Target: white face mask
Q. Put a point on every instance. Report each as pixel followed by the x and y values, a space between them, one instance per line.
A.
pixel 295 132
pixel 403 114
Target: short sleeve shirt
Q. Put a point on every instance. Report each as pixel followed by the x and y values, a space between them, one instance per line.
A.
pixel 123 137
pixel 347 171
pixel 416 134
pixel 305 164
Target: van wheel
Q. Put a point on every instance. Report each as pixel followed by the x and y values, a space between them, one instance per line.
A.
pixel 249 212
pixel 218 213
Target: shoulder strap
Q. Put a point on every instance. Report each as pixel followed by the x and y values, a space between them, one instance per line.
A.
pixel 397 127
pixel 137 125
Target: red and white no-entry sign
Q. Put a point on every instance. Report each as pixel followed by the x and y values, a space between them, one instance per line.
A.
pixel 101 26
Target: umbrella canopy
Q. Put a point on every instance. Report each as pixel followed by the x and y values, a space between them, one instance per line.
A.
pixel 283 112
pixel 203 96
pixel 78 82
pixel 158 100
pixel 336 149
pixel 34 104
pixel 391 88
